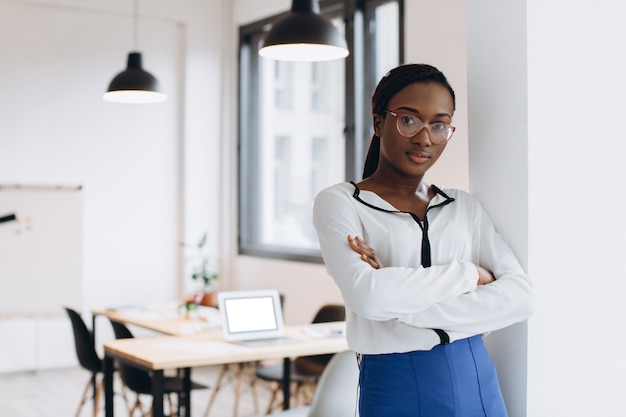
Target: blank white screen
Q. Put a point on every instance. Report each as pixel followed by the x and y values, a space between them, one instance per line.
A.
pixel 250 314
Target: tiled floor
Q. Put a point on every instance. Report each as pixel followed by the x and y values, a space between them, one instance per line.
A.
pixel 56 393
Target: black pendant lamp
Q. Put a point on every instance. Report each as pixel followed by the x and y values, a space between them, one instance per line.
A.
pixel 304 35
pixel 134 84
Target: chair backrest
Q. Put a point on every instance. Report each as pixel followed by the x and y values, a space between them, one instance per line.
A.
pixel 330 312
pixel 336 393
pixel 121 331
pixel 83 341
pixel 136 379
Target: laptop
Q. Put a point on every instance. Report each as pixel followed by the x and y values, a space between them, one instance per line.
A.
pixel 252 318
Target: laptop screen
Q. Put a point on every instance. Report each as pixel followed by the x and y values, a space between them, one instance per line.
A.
pixel 251 314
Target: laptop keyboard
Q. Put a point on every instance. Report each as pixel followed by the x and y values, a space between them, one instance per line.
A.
pixel 268 342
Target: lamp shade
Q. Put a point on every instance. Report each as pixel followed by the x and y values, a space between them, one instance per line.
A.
pixel 304 35
pixel 134 84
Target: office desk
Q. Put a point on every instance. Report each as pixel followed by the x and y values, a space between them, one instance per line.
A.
pixel 164 319
pixel 208 348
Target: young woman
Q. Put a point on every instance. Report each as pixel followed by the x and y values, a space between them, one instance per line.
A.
pixel 441 276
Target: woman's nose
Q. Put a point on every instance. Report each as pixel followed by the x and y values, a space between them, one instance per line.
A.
pixel 422 137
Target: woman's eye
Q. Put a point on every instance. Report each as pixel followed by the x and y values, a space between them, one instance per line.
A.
pixel 408 120
pixel 439 127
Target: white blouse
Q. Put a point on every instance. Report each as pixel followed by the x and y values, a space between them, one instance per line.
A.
pixel 395 308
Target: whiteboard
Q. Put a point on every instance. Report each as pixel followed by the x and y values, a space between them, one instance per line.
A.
pixel 41 249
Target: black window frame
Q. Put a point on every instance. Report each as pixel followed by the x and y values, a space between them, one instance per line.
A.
pixel 360 81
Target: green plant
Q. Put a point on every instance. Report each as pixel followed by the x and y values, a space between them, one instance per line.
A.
pixel 205 268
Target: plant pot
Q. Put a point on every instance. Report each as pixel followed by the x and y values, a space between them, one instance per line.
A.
pixel 209 299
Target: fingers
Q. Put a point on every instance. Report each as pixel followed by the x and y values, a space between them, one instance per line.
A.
pixel 484 276
pixel 368 255
pixel 358 245
pixel 370 261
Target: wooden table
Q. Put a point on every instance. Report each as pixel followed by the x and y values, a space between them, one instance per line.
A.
pixel 156 354
pixel 164 318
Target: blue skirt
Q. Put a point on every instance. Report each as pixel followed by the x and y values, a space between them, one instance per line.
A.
pixel 452 380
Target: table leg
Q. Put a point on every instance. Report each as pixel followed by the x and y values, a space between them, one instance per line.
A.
pixel 94 385
pixel 157 393
pixel 286 382
pixel 108 386
pixel 187 387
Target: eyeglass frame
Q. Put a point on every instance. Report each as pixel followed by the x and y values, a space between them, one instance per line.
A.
pixel 428 126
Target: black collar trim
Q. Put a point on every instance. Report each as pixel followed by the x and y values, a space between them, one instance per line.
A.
pixel 437 190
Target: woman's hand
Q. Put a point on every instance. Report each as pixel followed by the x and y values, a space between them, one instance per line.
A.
pixel 367 253
pixel 484 276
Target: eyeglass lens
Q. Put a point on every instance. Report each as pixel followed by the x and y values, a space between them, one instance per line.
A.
pixel 409 125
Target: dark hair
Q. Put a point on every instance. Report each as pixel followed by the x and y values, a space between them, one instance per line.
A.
pixel 394 81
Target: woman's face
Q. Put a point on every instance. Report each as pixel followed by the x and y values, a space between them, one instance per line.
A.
pixel 413 156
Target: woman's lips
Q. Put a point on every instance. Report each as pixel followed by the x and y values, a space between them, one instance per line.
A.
pixel 418 157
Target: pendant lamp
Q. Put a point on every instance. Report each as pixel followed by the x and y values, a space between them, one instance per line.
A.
pixel 304 35
pixel 134 84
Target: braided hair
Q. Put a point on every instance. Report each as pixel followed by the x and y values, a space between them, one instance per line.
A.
pixel 394 81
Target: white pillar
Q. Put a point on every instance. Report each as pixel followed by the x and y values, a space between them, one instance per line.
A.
pixel 497 97
pixel 546 82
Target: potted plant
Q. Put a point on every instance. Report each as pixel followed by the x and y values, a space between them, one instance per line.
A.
pixel 204 271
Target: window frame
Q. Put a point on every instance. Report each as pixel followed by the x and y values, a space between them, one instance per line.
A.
pixel 360 78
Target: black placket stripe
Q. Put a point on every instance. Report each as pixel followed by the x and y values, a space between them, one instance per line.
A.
pixel 426 260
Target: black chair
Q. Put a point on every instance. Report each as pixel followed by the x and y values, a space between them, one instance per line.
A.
pixel 88 359
pixel 305 370
pixel 140 381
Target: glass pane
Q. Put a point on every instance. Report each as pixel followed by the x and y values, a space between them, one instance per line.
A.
pixel 301 147
pixel 387 38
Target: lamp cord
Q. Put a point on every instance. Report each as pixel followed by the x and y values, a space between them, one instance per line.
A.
pixel 135 9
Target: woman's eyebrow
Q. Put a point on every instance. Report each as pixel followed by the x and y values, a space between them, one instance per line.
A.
pixel 412 110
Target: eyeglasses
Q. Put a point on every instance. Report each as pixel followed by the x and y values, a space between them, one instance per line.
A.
pixel 408 125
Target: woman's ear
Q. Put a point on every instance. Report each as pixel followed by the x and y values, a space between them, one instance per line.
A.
pixel 379 122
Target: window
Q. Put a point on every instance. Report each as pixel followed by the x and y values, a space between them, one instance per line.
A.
pixel 306 126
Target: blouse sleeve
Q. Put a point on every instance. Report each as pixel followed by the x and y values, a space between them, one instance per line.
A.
pixel 387 293
pixel 508 300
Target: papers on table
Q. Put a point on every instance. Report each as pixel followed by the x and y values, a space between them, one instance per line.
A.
pixel 201 347
pixel 322 332
pixel 147 313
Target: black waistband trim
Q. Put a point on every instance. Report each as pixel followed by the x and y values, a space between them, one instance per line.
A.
pixel 443 336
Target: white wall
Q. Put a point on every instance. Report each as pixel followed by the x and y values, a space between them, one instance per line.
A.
pixel 137 164
pixel 546 84
pixel 444 47
pixel 577 232
pixel 497 91
pixel 58 130
pixel 149 173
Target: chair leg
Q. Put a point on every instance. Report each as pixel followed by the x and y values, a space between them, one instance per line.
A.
pixel 240 371
pixel 308 390
pixel 218 385
pixel 85 395
pixel 98 396
pixel 170 403
pixel 275 389
pixel 139 406
pixel 240 374
pixel 129 407
pixel 251 368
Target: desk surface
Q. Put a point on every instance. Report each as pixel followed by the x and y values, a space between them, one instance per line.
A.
pixel 165 319
pixel 209 348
